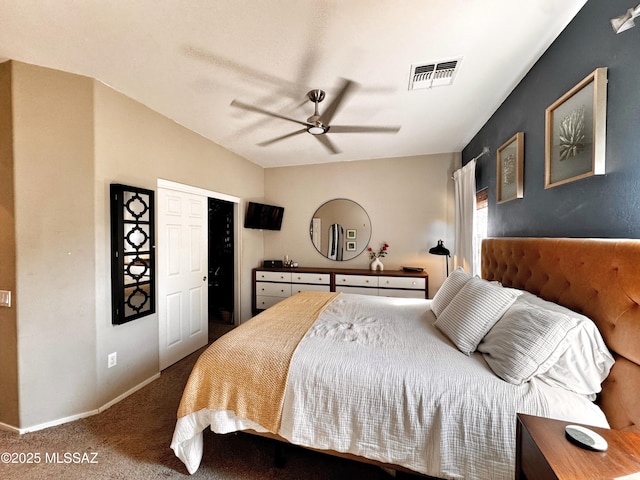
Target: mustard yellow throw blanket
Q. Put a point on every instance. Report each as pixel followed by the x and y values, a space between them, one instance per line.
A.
pixel 245 371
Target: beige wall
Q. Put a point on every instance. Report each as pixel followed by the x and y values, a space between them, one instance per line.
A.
pixel 409 201
pixel 9 412
pixel 55 262
pixel 73 136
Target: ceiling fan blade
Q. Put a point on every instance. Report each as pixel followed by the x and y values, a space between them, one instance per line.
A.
pixel 324 140
pixel 277 139
pixel 330 111
pixel 362 129
pixel 253 108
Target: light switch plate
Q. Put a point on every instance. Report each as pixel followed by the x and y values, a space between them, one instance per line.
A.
pixel 5 298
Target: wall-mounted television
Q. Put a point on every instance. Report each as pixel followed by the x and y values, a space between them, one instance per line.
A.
pixel 264 217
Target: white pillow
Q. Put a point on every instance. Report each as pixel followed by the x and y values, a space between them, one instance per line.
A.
pixel 451 285
pixel 585 363
pixel 537 338
pixel 527 341
pixel 473 311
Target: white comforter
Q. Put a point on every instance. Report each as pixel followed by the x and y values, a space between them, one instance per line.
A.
pixel 381 382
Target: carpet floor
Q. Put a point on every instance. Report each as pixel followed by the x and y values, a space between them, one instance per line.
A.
pixel 131 441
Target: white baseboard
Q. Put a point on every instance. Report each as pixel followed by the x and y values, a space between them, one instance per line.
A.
pixel 57 422
pixel 79 416
pixel 9 428
pixel 119 398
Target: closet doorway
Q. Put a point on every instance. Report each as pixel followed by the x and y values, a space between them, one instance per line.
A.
pixel 183 311
pixel 221 262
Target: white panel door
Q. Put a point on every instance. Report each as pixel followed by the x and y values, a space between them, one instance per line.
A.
pixel 182 274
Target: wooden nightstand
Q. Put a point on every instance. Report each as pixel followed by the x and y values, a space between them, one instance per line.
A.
pixel 543 452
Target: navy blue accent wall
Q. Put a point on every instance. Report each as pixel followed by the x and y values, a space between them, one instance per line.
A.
pixel 598 206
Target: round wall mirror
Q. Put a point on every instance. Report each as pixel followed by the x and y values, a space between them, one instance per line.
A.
pixel 340 229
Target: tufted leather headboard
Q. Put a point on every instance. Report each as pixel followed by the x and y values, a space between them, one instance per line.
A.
pixel 596 277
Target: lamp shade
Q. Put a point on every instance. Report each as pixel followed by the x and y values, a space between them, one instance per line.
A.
pixel 440 249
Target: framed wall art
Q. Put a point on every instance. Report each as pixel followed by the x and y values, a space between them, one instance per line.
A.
pixel 575 132
pixel 351 234
pixel 509 169
pixel 351 246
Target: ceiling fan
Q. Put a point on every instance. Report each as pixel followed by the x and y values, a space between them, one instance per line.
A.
pixel 319 124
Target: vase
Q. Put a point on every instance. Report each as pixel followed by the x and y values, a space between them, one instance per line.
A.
pixel 377 264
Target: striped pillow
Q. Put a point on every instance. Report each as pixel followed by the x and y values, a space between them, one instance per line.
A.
pixel 473 311
pixel 452 285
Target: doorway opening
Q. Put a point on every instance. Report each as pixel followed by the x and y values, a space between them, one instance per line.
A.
pixel 184 249
pixel 221 263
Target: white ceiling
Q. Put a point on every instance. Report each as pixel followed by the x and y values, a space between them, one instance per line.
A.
pixel 188 59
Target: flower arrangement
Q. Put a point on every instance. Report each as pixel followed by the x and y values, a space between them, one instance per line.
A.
pixel 382 252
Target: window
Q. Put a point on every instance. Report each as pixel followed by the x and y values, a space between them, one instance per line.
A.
pixel 482 220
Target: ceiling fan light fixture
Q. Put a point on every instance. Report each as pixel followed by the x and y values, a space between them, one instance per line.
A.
pixel 317 129
pixel 317 124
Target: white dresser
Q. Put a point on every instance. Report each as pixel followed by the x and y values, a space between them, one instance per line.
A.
pixel 381 285
pixel 270 285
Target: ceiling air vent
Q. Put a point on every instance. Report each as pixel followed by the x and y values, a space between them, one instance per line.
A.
pixel 435 74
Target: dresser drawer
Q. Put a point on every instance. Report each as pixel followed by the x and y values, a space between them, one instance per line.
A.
pixel 263 302
pixel 306 287
pixel 356 280
pixel 273 289
pixel 315 278
pixel 266 276
pixel 390 292
pixel 402 282
pixel 358 290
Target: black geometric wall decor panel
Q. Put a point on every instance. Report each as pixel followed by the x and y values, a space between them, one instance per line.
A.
pixel 132 253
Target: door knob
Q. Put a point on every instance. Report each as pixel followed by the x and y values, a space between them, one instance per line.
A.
pixel 204 279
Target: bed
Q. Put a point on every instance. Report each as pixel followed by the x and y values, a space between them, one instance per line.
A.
pixel 404 383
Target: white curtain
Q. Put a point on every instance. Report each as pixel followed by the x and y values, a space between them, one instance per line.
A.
pixel 465 202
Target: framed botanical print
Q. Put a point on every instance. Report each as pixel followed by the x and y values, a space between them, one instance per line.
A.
pixel 509 169
pixel 575 132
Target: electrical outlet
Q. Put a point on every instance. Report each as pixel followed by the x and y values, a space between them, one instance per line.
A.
pixel 112 360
